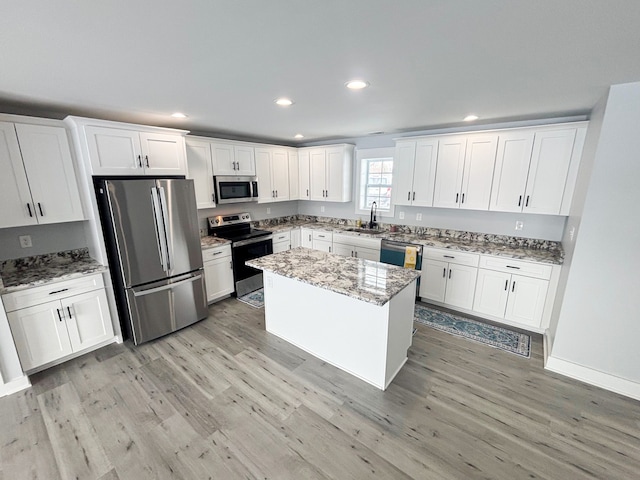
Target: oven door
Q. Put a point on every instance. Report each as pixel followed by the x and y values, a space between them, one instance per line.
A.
pixel 235 189
pixel 247 278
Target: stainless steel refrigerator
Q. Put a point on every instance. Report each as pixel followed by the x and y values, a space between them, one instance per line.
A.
pixel 153 243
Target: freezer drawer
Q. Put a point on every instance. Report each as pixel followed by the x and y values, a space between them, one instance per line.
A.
pixel 164 307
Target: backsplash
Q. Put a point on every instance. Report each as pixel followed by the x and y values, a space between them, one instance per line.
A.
pixel 516 242
pixel 23 263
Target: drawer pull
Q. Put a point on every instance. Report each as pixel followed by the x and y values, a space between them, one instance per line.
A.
pixel 217 253
pixel 511 266
pixel 58 291
pixel 448 256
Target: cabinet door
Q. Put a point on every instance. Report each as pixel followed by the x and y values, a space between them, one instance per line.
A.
pixel 424 173
pixel 280 174
pixel 307 237
pixel 480 158
pixel 163 154
pixel 338 181
pixel 403 165
pixel 317 174
pixel 296 238
pixel 88 319
pixel 526 300
pixel 17 206
pixel 114 152
pixel 218 276
pixel 224 159
pixel 492 290
pixel 433 280
pixel 294 180
pixel 461 284
pixel 550 162
pixel 200 170
pixel 52 178
pixel 304 174
pixel 367 253
pixel 511 170
pixel 265 181
pixel 281 247
pixel 343 250
pixel 40 334
pixel 323 245
pixel 449 171
pixel 245 160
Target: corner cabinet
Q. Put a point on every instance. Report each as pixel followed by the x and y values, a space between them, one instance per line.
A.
pixel 115 148
pixel 59 320
pixel 330 173
pixel 38 183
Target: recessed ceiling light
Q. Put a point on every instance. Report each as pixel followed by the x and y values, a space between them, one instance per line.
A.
pixel 470 118
pixel 283 102
pixel 178 115
pixel 298 135
pixel 356 84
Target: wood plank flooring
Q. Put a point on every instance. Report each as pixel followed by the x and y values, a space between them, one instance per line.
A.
pixel 225 400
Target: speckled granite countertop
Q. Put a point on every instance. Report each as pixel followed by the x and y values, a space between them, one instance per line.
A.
pixel 553 255
pixel 27 272
pixel 211 242
pixel 357 278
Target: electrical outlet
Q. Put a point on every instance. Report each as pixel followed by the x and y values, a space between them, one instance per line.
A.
pixel 268 210
pixel 203 232
pixel 401 215
pixel 572 232
pixel 418 217
pixel 519 225
pixel 25 241
pixel 322 209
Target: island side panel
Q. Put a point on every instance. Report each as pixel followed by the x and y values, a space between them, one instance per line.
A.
pixel 400 334
pixel 347 333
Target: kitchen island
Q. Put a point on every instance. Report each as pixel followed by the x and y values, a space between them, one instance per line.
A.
pixel 353 313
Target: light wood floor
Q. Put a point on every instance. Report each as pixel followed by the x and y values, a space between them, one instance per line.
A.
pixel 226 400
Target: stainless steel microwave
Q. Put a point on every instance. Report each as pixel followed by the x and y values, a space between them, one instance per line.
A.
pixel 230 189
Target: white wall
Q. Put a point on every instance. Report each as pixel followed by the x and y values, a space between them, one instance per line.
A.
pixel 599 322
pixel 45 239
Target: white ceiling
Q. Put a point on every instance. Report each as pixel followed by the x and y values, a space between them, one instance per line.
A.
pixel 429 62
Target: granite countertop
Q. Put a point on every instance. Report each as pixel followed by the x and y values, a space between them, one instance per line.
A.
pixel 364 280
pixel 211 242
pixel 552 256
pixel 27 272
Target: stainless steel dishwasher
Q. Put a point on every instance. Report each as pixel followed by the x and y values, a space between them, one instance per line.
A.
pixel 393 252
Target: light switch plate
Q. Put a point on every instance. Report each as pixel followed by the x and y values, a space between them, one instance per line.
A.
pixel 401 216
pixel 519 225
pixel 418 217
pixel 268 210
pixel 25 241
pixel 322 209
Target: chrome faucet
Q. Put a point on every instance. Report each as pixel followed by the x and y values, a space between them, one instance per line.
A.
pixel 372 218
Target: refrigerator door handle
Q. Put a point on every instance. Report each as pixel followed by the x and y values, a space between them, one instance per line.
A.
pixel 168 286
pixel 165 222
pixel 158 221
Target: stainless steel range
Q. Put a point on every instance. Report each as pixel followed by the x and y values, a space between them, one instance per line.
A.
pixel 247 243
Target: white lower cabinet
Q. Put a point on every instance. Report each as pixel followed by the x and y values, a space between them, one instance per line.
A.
pixel 281 242
pixel 306 239
pixel 356 246
pixel 51 330
pixel 296 238
pixel 448 283
pixel 218 272
pixel 322 240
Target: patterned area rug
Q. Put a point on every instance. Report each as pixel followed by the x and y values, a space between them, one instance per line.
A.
pixel 255 299
pixel 513 342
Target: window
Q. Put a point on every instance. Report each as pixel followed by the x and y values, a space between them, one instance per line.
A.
pixel 375 180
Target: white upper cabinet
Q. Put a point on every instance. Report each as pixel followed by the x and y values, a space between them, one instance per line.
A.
pixel 294 175
pixel 38 182
pixel 414 170
pixel 465 171
pixel 304 174
pixel 449 171
pixel 125 149
pixel 272 168
pixel 536 170
pixel 233 159
pixel 200 170
pixel 331 173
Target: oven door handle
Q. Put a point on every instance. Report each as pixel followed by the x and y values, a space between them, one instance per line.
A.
pixel 250 241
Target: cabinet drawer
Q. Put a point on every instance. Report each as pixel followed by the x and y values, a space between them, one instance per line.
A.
pixel 452 256
pixel 323 235
pixel 216 252
pixel 357 241
pixel 281 237
pixel 520 267
pixel 54 291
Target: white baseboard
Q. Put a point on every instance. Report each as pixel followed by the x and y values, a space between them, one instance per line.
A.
pixel 594 377
pixel 14 386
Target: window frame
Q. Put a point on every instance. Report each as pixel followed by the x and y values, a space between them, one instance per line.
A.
pixel 363 156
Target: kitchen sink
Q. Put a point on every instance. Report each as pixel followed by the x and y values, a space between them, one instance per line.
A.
pixel 365 230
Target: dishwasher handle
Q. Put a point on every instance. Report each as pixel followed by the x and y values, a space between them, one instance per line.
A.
pixel 399 246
